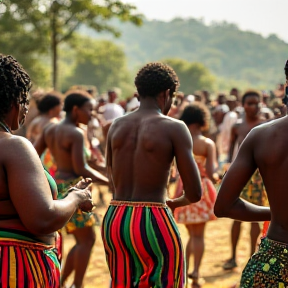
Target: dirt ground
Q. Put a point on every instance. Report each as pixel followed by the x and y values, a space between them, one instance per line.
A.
pixel 217 250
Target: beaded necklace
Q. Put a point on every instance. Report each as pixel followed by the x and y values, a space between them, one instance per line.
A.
pixel 5 127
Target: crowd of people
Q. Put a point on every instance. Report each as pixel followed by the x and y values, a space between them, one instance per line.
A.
pixel 161 154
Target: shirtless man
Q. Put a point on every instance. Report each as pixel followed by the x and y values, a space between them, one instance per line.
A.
pixel 66 141
pixel 239 131
pixel 142 243
pixel 264 148
pixel 49 108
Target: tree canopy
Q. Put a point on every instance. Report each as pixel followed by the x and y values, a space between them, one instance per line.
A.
pixel 192 76
pixel 224 49
pixel 52 22
pixel 100 63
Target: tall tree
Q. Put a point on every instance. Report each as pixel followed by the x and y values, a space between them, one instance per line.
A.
pixel 98 62
pixel 193 76
pixel 57 20
pixel 26 47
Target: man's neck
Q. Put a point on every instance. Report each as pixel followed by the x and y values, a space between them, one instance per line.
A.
pixel 149 103
pixel 195 130
pixel 70 120
pixel 252 119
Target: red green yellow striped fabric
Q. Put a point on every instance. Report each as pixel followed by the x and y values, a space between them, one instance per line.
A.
pixel 25 264
pixel 143 246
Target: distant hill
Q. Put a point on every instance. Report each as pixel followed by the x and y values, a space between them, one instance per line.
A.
pixel 227 51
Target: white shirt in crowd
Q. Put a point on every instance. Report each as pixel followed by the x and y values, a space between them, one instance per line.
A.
pixel 111 111
pixel 224 136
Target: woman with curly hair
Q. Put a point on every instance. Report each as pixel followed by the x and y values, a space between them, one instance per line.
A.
pixel 196 215
pixel 29 213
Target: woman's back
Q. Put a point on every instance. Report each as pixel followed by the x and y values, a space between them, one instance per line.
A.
pixel 204 151
pixel 60 139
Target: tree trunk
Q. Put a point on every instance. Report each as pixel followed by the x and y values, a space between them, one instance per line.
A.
pixel 54 48
pixel 54 63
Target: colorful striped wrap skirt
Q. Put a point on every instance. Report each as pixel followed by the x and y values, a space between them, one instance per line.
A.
pixel 143 246
pixel 25 263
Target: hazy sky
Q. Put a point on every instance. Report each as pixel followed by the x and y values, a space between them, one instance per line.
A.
pixel 260 16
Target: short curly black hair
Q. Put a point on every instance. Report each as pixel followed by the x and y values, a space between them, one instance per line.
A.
pixel 75 98
pixel 196 113
pixel 49 101
pixel 154 78
pixel 15 84
pixel 250 92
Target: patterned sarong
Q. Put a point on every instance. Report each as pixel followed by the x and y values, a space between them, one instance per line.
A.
pixel 143 246
pixel 25 263
pixel 254 191
pixel 79 219
pixel 268 267
pixel 49 162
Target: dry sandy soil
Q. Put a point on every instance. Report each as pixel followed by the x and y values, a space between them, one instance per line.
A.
pixel 217 250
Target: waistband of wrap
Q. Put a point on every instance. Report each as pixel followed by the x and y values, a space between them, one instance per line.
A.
pixel 137 204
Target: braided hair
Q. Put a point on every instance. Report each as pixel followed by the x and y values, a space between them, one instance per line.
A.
pixel 15 84
pixel 154 78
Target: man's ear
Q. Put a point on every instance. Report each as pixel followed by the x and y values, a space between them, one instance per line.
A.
pixel 167 93
pixel 74 109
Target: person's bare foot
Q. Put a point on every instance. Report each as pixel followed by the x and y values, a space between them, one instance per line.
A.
pixel 193 276
pixel 195 280
pixel 229 264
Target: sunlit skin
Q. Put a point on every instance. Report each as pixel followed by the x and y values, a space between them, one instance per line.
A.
pixel 243 126
pixel 204 147
pixel 149 137
pixel 66 141
pixel 36 126
pixel 238 133
pixel 40 215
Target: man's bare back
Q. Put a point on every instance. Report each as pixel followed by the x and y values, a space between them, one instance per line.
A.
pixel 67 142
pixel 60 138
pixel 37 125
pixel 141 147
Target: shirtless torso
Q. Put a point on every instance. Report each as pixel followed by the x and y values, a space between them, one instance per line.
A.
pixel 37 125
pixel 265 148
pixel 141 147
pixel 239 131
pixel 66 142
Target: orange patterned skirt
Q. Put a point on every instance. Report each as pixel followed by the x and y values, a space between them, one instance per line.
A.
pixel 201 211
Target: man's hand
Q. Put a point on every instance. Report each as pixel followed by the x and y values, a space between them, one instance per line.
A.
pixel 170 203
pixel 85 183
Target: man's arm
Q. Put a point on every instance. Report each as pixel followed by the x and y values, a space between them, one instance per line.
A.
pixel 183 147
pixel 233 139
pixel 80 165
pixel 109 161
pixel 228 203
